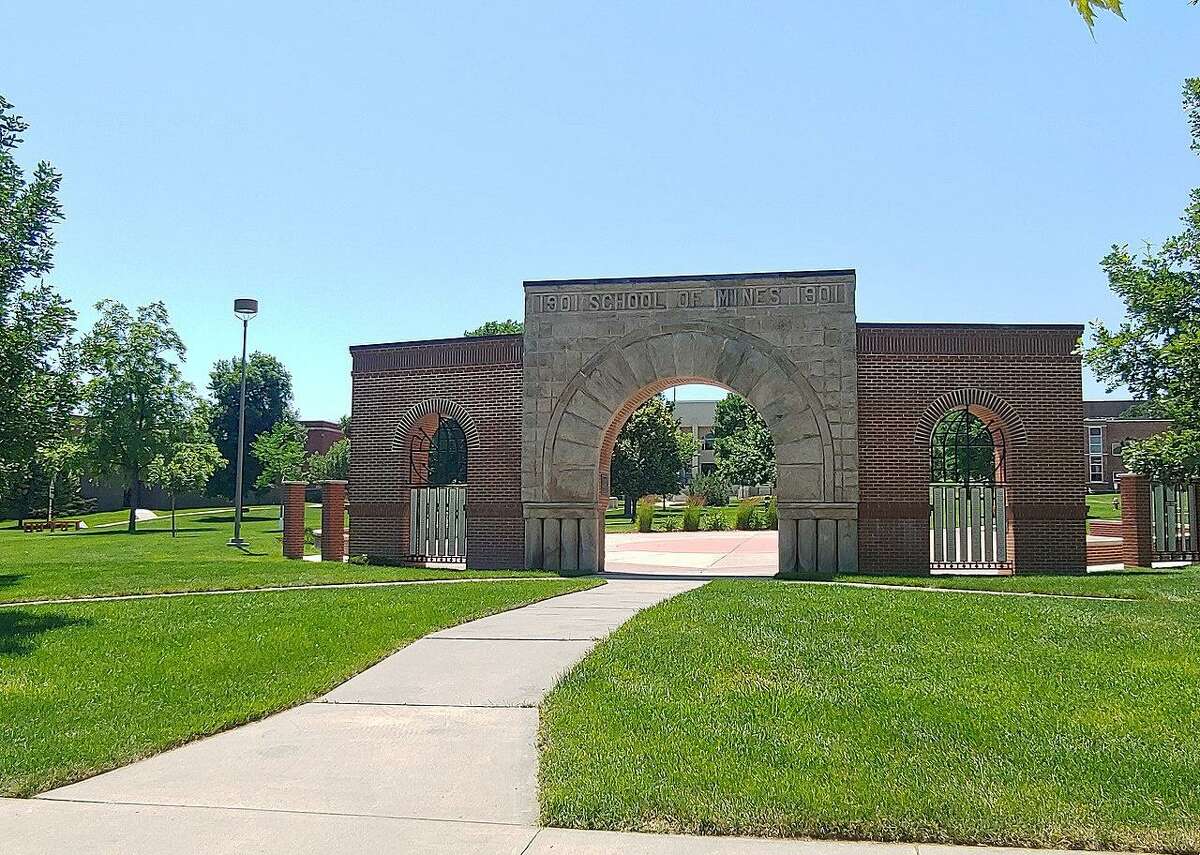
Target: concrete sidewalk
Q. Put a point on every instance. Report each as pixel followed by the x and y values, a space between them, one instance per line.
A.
pixel 433 750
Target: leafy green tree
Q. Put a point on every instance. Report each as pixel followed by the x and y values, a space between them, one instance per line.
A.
pixel 136 401
pixel 187 464
pixel 496 328
pixel 743 447
pixel 268 402
pixel 280 454
pixel 333 465
pixel 1155 350
pixel 37 355
pixel 651 453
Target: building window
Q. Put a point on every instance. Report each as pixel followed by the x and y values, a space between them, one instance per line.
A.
pixel 1096 455
pixel 709 441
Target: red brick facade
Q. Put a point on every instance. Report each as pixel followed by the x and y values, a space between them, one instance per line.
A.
pixel 393 385
pixel 333 520
pixel 1028 377
pixel 1136 536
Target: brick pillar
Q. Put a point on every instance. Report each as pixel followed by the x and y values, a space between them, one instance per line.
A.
pixel 1138 547
pixel 293 519
pixel 333 520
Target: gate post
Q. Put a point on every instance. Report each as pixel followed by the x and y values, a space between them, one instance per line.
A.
pixel 333 520
pixel 293 519
pixel 1136 534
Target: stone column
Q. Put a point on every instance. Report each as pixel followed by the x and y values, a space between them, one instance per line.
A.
pixel 293 519
pixel 1138 546
pixel 333 520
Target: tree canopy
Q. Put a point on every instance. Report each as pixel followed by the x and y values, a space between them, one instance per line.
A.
pixel 743 447
pixel 38 359
pixel 1155 350
pixel 279 454
pixel 652 452
pixel 496 328
pixel 187 463
pixel 268 402
pixel 136 400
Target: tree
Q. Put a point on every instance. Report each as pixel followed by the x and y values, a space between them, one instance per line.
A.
pixel 268 401
pixel 1087 9
pixel 280 454
pixel 62 460
pixel 651 453
pixel 743 446
pixel 1155 351
pixel 37 354
pixel 496 328
pixel 136 401
pixel 333 465
pixel 187 464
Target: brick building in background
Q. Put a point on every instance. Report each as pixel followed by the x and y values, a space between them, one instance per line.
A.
pixel 1106 430
pixel 853 407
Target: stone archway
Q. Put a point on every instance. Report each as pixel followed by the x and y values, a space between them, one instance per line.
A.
pixel 791 359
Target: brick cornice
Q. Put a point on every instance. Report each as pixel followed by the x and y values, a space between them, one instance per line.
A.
pixel 970 339
pixel 445 353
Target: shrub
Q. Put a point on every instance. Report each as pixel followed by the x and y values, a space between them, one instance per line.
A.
pixel 770 514
pixel 713 489
pixel 691 513
pixel 359 560
pixel 746 518
pixel 714 520
pixel 645 513
pixel 673 523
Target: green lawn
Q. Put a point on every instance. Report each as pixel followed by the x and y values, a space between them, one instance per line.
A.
pixel 109 560
pixel 87 687
pixel 780 709
pixel 1174 585
pixel 1100 507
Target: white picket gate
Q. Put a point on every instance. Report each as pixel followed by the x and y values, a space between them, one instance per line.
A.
pixel 968 528
pixel 438 523
pixel 1175 522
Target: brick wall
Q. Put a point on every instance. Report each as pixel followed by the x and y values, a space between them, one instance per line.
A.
pixel 480 375
pixel 907 374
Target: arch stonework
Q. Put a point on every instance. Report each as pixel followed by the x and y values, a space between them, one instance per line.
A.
pixel 595 349
pixel 442 406
pixel 1006 414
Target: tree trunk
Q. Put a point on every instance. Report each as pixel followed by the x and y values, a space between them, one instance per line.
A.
pixel 50 499
pixel 630 507
pixel 135 500
pixel 172 515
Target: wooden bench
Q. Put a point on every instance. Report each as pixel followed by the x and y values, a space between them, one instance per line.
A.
pixel 51 525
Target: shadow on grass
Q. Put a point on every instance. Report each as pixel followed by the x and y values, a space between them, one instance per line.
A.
pixel 7 580
pixel 20 630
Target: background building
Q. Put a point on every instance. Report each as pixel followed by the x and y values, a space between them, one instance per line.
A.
pixel 1105 433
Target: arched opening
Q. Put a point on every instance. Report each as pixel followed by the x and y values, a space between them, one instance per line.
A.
pixel 436 436
pixel 969 517
pixel 687 478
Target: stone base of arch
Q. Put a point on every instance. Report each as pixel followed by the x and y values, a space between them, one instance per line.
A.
pixel 815 539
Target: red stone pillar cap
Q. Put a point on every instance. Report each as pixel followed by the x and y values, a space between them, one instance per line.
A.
pixel 295 483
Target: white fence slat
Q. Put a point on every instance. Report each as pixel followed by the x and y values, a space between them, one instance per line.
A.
pixel 937 499
pixel 989 530
pixel 1001 528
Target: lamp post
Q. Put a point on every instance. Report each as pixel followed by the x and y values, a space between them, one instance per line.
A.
pixel 244 309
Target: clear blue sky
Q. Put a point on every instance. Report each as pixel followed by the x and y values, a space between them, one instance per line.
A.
pixel 384 171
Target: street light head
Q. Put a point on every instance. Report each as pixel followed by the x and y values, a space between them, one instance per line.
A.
pixel 245 308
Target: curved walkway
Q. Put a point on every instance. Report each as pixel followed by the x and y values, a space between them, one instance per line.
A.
pixel 433 750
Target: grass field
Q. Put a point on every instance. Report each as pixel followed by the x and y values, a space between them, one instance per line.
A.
pixel 109 560
pixel 87 687
pixel 1100 507
pixel 772 708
